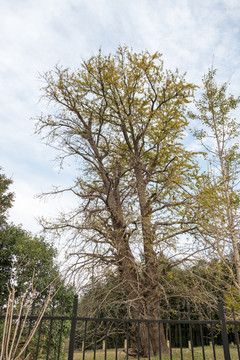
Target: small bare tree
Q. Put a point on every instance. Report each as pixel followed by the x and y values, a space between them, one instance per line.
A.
pixel 14 330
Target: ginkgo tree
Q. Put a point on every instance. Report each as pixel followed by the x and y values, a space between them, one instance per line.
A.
pixel 122 118
pixel 219 133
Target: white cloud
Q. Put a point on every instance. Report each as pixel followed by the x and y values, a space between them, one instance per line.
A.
pixel 35 35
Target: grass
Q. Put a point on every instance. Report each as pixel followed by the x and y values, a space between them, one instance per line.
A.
pixel 187 354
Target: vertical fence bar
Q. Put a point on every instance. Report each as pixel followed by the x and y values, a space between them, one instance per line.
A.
pixel 212 336
pixel 106 334
pixel 38 341
pixel 236 332
pixel 73 328
pixel 201 335
pixel 127 335
pixel 60 340
pixel 224 330
pixel 95 335
pixel 159 336
pixel 60 333
pixel 106 340
pixel 29 328
pixel 116 348
pixel 148 335
pixel 117 326
pixel 138 335
pixel 190 330
pixel 180 334
pixel 85 334
pixel 50 333
pixel 169 333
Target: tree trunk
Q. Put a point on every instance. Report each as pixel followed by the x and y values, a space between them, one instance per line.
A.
pixel 148 339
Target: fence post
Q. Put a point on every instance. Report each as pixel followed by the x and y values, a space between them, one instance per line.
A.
pixel 224 330
pixel 73 328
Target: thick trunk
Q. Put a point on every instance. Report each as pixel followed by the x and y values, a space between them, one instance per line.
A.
pixel 140 287
pixel 148 339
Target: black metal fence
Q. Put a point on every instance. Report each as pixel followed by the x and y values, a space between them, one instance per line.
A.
pixel 75 337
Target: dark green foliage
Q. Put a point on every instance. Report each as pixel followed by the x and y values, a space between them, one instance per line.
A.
pixel 29 258
pixel 6 198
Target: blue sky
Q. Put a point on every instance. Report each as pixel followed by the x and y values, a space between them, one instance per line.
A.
pixel 35 35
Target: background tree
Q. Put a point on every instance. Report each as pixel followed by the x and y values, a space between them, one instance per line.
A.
pixel 6 199
pixel 29 258
pixel 29 262
pixel 219 193
pixel 23 257
pixel 122 118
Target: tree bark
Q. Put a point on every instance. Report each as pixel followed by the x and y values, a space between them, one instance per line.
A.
pixel 149 335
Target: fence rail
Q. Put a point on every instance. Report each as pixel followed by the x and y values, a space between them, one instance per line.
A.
pixel 112 337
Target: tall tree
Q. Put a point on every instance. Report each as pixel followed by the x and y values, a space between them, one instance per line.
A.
pixel 220 194
pixel 122 118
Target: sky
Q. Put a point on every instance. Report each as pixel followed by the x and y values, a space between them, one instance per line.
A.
pixel 37 35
